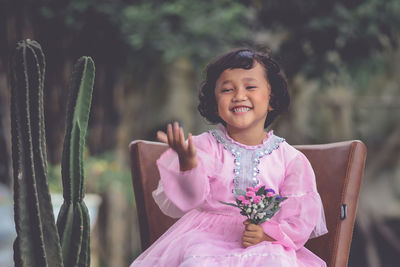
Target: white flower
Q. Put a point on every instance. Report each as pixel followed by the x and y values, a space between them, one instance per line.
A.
pixel 248 211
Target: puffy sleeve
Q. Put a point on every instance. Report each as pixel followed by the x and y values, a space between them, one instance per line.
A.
pixel 301 215
pixel 181 191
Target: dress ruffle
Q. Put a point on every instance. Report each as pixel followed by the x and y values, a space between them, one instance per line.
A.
pixel 205 239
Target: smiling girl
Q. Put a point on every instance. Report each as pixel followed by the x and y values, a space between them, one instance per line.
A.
pixel 244 91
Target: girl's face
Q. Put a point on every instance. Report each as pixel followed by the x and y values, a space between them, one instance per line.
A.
pixel 243 98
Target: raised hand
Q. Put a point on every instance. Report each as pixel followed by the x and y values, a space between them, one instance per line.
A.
pixel 254 234
pixel 175 138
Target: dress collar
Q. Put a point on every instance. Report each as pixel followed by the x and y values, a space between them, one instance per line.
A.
pixel 231 140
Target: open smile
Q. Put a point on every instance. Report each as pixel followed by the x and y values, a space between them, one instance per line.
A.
pixel 241 109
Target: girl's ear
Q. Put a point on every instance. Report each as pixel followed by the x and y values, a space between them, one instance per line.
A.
pixel 271 97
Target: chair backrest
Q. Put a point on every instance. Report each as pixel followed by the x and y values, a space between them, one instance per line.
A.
pixel 338 167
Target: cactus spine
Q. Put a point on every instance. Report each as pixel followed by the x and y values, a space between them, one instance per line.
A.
pixel 37 242
pixel 73 219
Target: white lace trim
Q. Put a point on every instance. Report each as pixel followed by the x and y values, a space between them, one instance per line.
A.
pixel 298 195
pixel 239 255
pixel 246 160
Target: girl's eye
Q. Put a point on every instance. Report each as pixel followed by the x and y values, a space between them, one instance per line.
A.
pixel 251 87
pixel 226 90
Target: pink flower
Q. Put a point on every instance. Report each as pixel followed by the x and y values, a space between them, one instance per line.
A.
pixel 251 189
pixel 257 187
pixel 270 194
pixel 246 202
pixel 250 194
pixel 241 198
pixel 257 199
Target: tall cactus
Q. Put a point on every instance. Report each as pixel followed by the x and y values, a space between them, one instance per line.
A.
pixel 37 242
pixel 73 219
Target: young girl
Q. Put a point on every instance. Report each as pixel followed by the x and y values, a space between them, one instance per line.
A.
pixel 244 91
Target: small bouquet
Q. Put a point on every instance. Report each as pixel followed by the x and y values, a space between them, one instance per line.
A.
pixel 258 204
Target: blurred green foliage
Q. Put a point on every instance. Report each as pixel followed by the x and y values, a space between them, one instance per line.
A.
pixel 181 28
pixel 140 33
pixel 325 35
pixel 101 172
pixel 315 36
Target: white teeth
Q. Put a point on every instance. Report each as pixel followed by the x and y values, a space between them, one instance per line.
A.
pixel 242 109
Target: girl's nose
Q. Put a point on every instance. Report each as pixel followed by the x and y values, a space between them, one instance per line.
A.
pixel 240 95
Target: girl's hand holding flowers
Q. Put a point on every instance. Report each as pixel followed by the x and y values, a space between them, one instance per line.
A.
pixel 258 205
pixel 254 234
pixel 175 138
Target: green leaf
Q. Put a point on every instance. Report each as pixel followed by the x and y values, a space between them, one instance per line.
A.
pixel 260 191
pixel 229 204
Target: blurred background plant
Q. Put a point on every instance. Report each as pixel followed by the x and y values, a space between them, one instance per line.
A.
pixel 103 171
pixel 110 178
pixel 341 57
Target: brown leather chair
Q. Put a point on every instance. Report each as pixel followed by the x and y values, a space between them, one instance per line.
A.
pixel 338 167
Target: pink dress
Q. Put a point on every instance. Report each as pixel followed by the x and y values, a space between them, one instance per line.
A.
pixel 209 233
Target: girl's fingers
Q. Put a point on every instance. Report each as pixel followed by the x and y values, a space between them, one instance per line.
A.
pixel 176 134
pixel 252 227
pixel 250 234
pixel 250 240
pixel 162 137
pixel 182 138
pixel 253 236
pixel 175 138
pixel 247 244
pixel 170 135
pixel 192 148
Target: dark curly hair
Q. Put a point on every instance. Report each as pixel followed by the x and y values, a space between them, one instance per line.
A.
pixel 243 59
